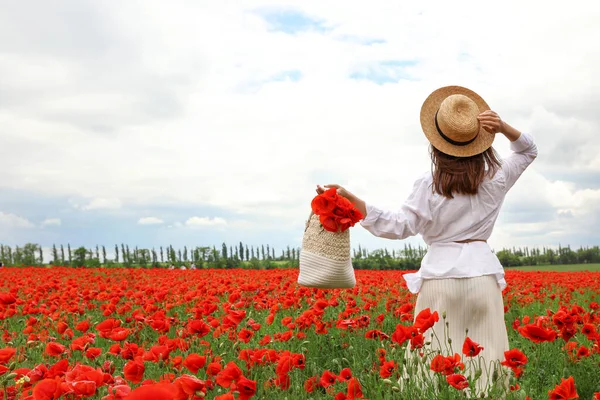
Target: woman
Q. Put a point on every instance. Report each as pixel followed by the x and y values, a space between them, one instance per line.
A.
pixel 454 208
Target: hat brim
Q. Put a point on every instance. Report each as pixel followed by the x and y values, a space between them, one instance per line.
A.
pixel 431 105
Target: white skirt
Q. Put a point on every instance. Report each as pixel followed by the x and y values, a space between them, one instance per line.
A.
pixel 473 304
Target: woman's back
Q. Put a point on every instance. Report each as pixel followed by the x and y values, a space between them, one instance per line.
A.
pixel 464 217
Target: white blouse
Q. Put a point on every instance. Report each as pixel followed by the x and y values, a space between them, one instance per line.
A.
pixel 443 221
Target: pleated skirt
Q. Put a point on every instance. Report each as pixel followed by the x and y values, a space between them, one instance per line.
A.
pixel 472 307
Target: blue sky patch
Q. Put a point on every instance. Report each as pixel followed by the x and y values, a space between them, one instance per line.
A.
pixel 291 75
pixel 389 71
pixel 366 41
pixel 291 21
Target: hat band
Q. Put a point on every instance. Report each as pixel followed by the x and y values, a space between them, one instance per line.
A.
pixel 447 139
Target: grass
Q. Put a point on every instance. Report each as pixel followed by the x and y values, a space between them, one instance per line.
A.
pixel 559 268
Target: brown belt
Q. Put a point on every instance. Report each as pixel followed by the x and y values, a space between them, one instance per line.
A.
pixel 470 241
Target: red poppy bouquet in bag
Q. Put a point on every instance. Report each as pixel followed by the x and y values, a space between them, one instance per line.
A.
pixel 336 213
pixel 325 260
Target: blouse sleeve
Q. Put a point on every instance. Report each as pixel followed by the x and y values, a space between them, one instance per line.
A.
pixel 525 151
pixel 400 224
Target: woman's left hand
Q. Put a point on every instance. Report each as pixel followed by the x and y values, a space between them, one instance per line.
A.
pixel 340 190
pixel 360 204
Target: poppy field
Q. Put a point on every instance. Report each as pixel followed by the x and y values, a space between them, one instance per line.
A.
pixel 255 334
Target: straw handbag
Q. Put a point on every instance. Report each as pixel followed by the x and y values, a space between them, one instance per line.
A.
pixel 325 260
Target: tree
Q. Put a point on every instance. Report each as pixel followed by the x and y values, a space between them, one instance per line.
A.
pixel 172 255
pixel 62 255
pixel 185 254
pixel 116 253
pixel 162 259
pixel 41 256
pixel 55 259
pixel 103 255
pixel 241 251
pixel 224 251
pixel 27 254
pixel 80 256
pixel 247 254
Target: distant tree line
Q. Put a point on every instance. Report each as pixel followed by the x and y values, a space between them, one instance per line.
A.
pixel 265 256
pixel 517 257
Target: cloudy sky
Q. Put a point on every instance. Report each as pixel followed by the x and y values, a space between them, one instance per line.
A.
pixel 196 122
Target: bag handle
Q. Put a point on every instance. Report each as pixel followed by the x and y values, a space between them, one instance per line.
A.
pixel 308 220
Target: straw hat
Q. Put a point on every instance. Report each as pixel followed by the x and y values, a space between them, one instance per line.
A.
pixel 449 120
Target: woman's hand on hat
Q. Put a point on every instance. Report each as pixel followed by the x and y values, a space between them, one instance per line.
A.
pixel 491 121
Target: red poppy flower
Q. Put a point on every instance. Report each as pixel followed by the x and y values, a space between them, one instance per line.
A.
pixel 93 352
pixel 133 371
pixel 213 368
pixel 246 388
pixel 198 327
pixel 328 378
pixel 190 385
pixel 403 333
pixel 537 334
pixel 345 375
pixel 55 349
pixel 387 369
pixel 158 391
pixel 515 360
pixel 194 362
pixel 230 373
pixel 7 299
pixel 6 354
pixel 245 335
pixel 311 383
pixel 458 381
pixel 566 390
pixel 425 320
pixel 354 390
pixel 376 334
pixel 84 388
pixel 48 389
pixel 470 348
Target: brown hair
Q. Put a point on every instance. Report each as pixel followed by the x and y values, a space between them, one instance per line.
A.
pixel 461 175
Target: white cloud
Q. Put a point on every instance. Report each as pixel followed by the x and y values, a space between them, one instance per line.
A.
pixel 12 221
pixel 197 122
pixel 150 221
pixel 103 204
pixel 51 222
pixel 203 222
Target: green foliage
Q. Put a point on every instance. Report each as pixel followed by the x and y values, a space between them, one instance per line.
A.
pixel 263 257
